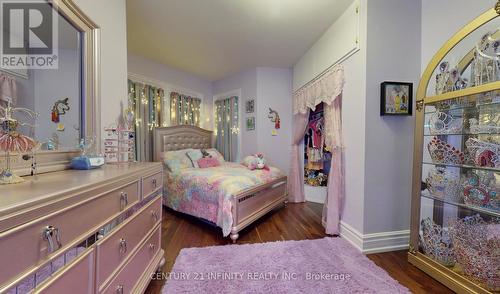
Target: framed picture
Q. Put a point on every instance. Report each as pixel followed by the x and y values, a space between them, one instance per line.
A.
pixel 396 98
pixel 250 123
pixel 250 106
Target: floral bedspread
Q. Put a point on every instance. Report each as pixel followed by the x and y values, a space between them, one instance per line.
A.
pixel 207 192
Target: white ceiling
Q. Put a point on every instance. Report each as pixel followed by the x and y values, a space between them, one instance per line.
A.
pixel 217 38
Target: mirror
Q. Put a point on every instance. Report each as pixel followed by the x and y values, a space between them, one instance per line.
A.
pixel 55 94
pixel 66 97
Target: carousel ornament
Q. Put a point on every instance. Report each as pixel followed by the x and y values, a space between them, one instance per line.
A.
pixel 11 141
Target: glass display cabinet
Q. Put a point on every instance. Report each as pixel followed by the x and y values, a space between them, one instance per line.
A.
pixel 455 222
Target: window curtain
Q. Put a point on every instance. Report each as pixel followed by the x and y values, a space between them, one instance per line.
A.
pixel 328 89
pixel 227 127
pixel 296 175
pixel 146 101
pixel 184 110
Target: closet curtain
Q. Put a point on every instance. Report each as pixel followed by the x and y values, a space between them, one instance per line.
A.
pixel 328 89
pixel 146 102
pixel 184 110
pixel 227 127
pixel 8 90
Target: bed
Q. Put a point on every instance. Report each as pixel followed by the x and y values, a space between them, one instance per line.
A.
pixel 231 196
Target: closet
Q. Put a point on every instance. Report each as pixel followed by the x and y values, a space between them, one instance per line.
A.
pixel 317 158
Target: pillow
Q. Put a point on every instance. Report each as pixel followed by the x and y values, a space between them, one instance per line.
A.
pixel 194 155
pixel 216 154
pixel 208 162
pixel 247 161
pixel 177 160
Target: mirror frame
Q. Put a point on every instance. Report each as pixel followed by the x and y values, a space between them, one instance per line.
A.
pixel 49 161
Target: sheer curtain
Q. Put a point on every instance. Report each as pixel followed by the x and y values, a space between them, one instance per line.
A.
pixel 227 127
pixel 146 101
pixel 296 175
pixel 184 110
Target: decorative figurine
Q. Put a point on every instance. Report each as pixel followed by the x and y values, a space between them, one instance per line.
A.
pixel 11 141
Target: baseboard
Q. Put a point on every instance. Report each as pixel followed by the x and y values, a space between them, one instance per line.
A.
pixel 375 242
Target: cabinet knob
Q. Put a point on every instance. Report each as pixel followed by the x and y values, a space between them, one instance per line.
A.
pixel 53 236
pixel 152 247
pixel 123 200
pixel 123 246
pixel 154 183
pixel 119 289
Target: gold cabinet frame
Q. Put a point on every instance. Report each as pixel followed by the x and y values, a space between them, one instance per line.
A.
pixel 48 161
pixel 451 279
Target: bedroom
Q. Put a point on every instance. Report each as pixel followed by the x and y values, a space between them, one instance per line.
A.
pixel 251 147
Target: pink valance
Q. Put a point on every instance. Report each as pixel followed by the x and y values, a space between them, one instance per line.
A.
pixel 8 90
pixel 325 89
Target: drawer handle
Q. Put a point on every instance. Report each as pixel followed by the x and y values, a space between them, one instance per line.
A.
pixel 154 182
pixel 152 247
pixel 119 289
pixel 123 246
pixel 123 200
pixel 155 216
pixel 53 237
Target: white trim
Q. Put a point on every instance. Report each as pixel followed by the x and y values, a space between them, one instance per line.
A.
pixel 375 242
pixel 237 93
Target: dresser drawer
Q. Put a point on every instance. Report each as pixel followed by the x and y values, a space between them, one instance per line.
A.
pixel 151 184
pixel 129 275
pixel 115 248
pixel 27 246
pixel 77 278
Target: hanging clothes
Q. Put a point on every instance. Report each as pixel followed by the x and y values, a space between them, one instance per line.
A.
pixel 315 144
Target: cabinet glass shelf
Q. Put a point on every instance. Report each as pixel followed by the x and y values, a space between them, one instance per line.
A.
pixel 463 166
pixel 464 134
pixel 463 205
pixel 464 107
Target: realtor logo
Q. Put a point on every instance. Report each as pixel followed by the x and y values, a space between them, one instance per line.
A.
pixel 29 34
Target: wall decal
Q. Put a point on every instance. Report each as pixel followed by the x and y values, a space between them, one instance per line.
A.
pixel 275 118
pixel 60 108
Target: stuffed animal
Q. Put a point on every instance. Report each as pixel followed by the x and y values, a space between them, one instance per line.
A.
pixel 204 153
pixel 256 161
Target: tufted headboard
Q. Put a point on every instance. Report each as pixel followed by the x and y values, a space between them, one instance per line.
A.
pixel 180 137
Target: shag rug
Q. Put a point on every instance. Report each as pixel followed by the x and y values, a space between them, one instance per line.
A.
pixel 329 265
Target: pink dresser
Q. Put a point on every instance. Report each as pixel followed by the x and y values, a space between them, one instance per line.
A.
pixel 82 231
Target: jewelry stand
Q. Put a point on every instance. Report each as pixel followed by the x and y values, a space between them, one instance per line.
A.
pixel 11 141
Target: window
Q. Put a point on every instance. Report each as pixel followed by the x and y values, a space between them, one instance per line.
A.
pixel 227 127
pixel 184 110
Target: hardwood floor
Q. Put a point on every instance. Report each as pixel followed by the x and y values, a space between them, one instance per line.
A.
pixel 294 222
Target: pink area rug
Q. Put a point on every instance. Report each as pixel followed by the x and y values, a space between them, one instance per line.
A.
pixel 329 265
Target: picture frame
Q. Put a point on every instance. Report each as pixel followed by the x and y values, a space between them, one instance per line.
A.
pixel 396 99
pixel 250 123
pixel 250 106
